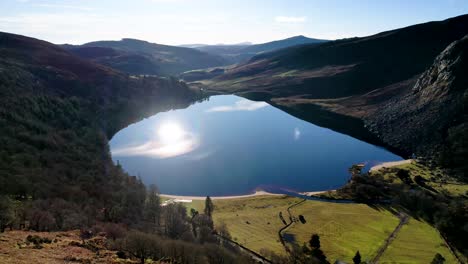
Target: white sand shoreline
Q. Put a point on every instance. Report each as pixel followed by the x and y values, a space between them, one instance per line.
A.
pixel 390 164
pixel 182 197
pixel 257 193
pixel 189 198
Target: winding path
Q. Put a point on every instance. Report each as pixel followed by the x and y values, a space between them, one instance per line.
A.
pixel 403 220
pixel 288 225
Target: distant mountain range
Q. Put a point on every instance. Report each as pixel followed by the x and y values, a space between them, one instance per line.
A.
pixel 244 51
pixel 357 78
pixel 141 57
pixel 220 44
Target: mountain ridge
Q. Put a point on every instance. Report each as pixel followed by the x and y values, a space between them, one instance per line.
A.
pixel 352 77
pixel 158 59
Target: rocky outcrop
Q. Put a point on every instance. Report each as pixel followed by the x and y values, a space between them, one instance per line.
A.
pixel 431 119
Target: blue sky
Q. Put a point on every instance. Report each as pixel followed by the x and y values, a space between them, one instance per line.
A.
pixel 215 21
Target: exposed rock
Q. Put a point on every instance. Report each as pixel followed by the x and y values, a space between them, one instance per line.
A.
pixel 431 120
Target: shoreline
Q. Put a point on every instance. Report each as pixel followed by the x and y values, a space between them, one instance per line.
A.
pixel 390 164
pixel 190 198
pixel 256 193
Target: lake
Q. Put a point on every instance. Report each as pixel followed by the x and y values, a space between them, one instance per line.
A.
pixel 229 145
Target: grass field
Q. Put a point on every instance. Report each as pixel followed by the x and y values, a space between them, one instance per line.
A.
pixel 254 222
pixel 417 242
pixel 343 228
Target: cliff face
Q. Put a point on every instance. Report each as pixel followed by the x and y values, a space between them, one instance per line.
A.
pixel 431 119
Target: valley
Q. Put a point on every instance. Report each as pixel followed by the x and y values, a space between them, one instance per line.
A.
pixel 297 150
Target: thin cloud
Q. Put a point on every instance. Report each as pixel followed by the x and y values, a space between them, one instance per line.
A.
pixel 75 7
pixel 291 19
pixel 242 105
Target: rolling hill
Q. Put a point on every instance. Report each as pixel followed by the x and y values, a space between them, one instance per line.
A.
pixel 242 52
pixel 141 57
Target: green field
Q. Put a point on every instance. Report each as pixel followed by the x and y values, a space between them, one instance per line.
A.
pixel 254 222
pixel 417 242
pixel 344 228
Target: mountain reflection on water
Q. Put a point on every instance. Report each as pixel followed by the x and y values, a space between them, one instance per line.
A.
pixel 230 145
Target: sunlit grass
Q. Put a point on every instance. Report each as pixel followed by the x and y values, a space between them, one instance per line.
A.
pixel 417 242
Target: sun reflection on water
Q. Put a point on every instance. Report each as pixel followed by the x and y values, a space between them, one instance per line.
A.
pixel 171 140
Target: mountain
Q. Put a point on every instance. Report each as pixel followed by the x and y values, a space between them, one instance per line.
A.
pixel 243 51
pixel 432 117
pixel 141 57
pixel 193 46
pixel 132 63
pixel 353 78
pixel 281 44
pixel 57 112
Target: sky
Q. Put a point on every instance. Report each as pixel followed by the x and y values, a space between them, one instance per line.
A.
pixel 176 22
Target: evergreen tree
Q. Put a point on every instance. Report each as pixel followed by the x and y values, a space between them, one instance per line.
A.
pixel 438 259
pixel 357 258
pixel 314 241
pixel 209 206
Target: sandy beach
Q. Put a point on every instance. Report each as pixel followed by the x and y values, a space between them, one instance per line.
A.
pixel 390 164
pixel 315 193
pixel 257 193
pixel 181 197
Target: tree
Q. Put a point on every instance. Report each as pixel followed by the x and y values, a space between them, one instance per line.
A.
pixel 175 220
pixel 318 254
pixel 114 231
pixel 141 245
pixel 438 259
pixel 6 212
pixel 314 241
pixel 193 212
pixel 209 207
pixel 404 176
pixel 357 258
pixel 152 211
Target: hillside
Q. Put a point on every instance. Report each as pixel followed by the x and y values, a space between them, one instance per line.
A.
pixel 239 53
pixel 57 112
pixel 281 44
pixel 141 57
pixel 434 112
pixel 131 63
pixel 351 78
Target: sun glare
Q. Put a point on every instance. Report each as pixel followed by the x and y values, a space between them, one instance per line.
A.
pixel 170 133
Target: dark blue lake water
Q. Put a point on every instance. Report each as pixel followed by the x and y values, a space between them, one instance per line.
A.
pixel 229 145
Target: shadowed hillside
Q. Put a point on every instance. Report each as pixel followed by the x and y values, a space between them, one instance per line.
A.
pixel 240 53
pixel 357 78
pixel 57 112
pixel 141 57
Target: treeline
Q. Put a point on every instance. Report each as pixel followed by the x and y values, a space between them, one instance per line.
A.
pixel 56 117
